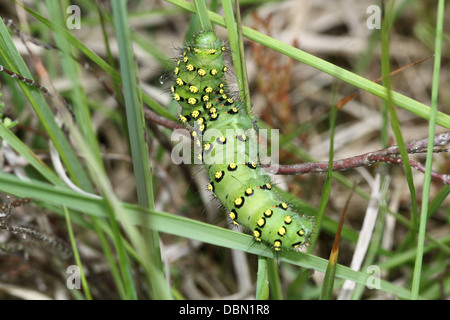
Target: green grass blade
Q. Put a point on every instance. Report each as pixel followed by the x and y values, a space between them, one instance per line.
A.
pixel 76 254
pixel 328 284
pixel 274 279
pixel 113 210
pixel 327 186
pixel 234 29
pixel 202 14
pixel 29 155
pixel 233 40
pixel 134 113
pixel 72 71
pixel 149 244
pixel 428 167
pixel 262 280
pixel 395 123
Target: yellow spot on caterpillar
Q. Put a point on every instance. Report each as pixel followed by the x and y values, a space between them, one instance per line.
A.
pixel 218 175
pixel 230 100
pixel 178 62
pixel 224 96
pixel 277 245
pixel 210 51
pixel 183 119
pixel 261 222
pixel 224 69
pixel 248 191
pixel 288 219
pixel 222 139
pixel 221 85
pixel 193 89
pixel 189 67
pixel 232 166
pixel 208 105
pixel 202 127
pixel 201 72
pixel 282 231
pixel 214 72
pixel 214 116
pixel 199 157
pixel 210 187
pixel 200 121
pixel 176 97
pixel 207 146
pixel 172 88
pixel 212 110
pixel 192 101
pixel 195 113
pixel 176 70
pixel 232 215
pixel 188 48
pixel 223 48
pixel 196 50
pixel 257 234
pixel 268 186
pixel 239 201
pixel 205 98
pixel 268 213
pixel 179 81
pixel 208 89
pixel 197 142
pixel 221 91
pixel 194 134
pixel 284 205
pixel 185 59
pixel 301 232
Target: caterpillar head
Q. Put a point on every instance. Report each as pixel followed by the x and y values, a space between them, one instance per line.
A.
pixel 205 38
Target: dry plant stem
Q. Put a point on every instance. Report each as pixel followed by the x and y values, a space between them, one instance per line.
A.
pixel 156 118
pixel 41 238
pixel 10 24
pixel 388 155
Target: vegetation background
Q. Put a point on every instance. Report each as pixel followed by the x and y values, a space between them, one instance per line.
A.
pixel 115 239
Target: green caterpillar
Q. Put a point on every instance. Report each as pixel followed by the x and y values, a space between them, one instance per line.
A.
pixel 226 142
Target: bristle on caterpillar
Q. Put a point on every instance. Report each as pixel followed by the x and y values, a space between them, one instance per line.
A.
pixel 226 135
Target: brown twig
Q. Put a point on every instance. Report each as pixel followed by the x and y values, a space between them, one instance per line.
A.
pixel 388 155
pixel 156 118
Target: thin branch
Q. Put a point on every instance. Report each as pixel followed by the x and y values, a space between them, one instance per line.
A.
pixel 388 155
pixel 152 116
